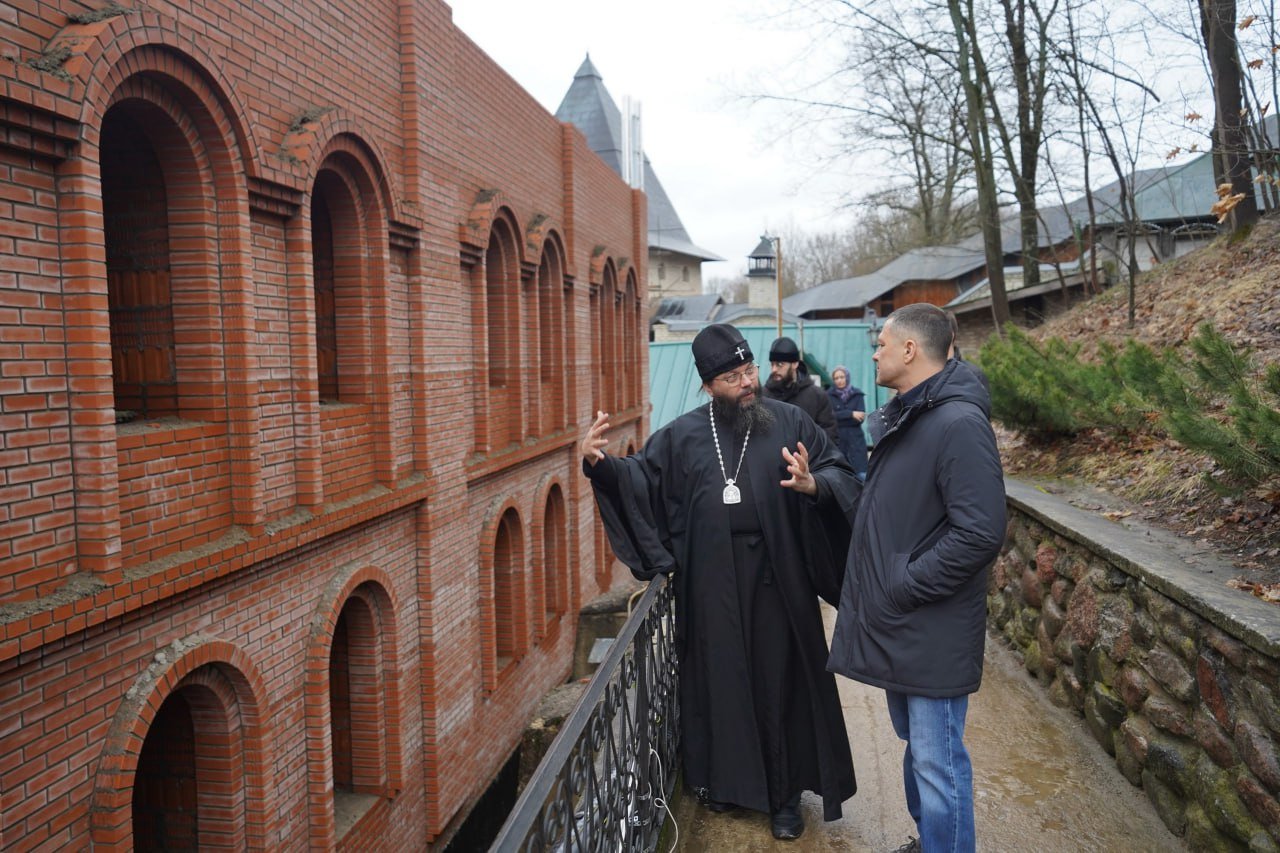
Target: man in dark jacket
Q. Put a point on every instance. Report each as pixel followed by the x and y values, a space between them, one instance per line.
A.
pixel 931 519
pixel 789 382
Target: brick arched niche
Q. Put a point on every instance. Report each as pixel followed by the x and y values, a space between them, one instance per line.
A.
pixel 605 353
pixel 504 376
pixel 166 176
pixel 550 574
pixel 554 314
pixel 352 701
pixel 341 266
pixel 630 318
pixel 503 601
pixel 350 260
pixel 192 725
pixel 172 193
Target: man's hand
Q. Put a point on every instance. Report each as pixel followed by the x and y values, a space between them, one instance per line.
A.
pixel 594 440
pixel 798 467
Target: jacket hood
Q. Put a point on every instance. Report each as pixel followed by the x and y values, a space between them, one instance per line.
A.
pixel 957 381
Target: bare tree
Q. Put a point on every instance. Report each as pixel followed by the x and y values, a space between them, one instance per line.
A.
pixel 1074 68
pixel 893 100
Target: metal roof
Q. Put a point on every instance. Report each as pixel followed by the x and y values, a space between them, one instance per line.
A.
pixel 589 107
pixel 701 308
pixel 1160 194
pixel 841 293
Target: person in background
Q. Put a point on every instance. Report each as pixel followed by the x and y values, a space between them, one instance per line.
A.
pixel 745 503
pixel 849 406
pixel 929 523
pixel 789 381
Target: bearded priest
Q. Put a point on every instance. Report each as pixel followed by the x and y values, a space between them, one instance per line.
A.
pixel 745 502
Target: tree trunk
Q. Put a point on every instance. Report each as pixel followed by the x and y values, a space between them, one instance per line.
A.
pixel 983 163
pixel 1218 25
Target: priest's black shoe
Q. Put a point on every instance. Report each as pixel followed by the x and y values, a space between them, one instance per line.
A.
pixel 719 807
pixel 787 824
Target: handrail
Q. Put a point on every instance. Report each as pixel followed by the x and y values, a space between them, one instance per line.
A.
pixel 598 786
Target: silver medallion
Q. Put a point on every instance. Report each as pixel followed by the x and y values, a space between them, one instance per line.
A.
pixel 731 493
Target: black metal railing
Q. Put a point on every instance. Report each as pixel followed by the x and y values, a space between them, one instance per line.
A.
pixel 602 783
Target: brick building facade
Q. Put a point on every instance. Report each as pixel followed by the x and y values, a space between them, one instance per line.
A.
pixel 303 307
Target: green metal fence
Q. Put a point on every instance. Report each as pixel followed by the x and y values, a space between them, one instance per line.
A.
pixel 675 388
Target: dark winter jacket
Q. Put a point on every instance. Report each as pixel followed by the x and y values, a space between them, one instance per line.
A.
pixel 810 398
pixel 931 519
pixel 849 431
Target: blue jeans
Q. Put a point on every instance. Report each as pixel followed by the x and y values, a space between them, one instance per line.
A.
pixel 936 770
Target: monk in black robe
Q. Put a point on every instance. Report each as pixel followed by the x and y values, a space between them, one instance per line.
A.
pixel 746 502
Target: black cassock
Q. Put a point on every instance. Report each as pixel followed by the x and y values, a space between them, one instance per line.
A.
pixel 760 717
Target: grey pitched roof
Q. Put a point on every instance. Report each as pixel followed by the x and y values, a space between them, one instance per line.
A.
pixel 589 107
pixel 841 293
pixel 701 308
pixel 1160 194
pixel 735 312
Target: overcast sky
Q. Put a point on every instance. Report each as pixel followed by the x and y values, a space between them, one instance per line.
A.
pixel 687 62
pixel 691 64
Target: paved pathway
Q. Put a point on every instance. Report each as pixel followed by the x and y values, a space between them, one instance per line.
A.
pixel 1042 783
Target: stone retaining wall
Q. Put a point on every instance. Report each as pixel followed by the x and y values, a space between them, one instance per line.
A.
pixel 1176 675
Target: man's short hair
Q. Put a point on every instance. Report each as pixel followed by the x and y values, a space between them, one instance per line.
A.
pixel 927 325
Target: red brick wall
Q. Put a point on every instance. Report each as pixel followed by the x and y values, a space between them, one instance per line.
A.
pixel 212 551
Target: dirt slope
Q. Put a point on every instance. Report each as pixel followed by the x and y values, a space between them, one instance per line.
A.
pixel 1236 286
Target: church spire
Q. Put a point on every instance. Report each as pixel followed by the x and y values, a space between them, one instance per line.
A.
pixel 587 69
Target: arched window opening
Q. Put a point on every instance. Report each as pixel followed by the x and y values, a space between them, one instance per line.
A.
pixel 165 805
pixel 338 277
pixel 555 557
pixel 502 288
pixel 323 279
pixel 356 705
pixel 607 324
pixel 604 557
pixel 189 784
pixel 629 350
pixel 552 337
pixel 135 213
pixel 507 552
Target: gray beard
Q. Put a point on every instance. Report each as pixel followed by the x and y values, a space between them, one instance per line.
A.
pixel 753 416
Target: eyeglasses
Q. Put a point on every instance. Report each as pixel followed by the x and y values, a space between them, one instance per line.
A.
pixel 735 377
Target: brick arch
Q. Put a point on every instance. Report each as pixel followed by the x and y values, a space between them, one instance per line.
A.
pixel 236 686
pixel 105 53
pixel 490 206
pixel 373 588
pixel 541 232
pixel 601 260
pixel 500 510
pixel 343 140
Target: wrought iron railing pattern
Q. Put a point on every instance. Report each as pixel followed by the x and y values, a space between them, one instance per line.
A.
pixel 601 784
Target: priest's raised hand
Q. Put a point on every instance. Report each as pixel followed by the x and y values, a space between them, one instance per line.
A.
pixel 798 467
pixel 592 445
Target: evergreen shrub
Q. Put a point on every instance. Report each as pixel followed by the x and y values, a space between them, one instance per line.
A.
pixel 1215 400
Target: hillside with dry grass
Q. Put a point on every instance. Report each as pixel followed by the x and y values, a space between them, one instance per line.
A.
pixel 1235 285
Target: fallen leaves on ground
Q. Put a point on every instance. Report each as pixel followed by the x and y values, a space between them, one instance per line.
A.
pixel 1269 592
